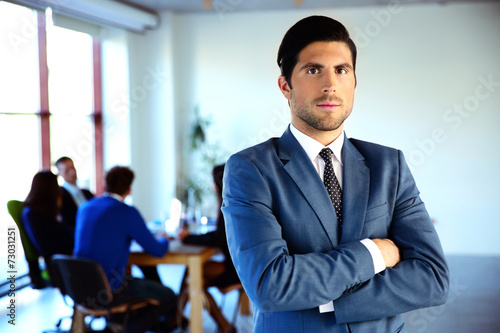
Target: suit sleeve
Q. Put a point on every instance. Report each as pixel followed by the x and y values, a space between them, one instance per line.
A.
pixel 89 195
pixel 274 278
pixel 419 280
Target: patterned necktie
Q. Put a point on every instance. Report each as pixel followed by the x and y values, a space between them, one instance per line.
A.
pixel 332 184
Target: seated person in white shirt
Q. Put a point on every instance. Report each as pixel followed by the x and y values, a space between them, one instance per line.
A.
pixel 72 196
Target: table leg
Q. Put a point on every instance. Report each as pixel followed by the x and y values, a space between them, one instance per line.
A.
pixel 195 294
pixel 78 322
pixel 245 304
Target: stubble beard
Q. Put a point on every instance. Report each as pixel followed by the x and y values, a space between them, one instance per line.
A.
pixel 306 114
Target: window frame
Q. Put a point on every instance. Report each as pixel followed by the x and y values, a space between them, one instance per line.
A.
pixel 44 113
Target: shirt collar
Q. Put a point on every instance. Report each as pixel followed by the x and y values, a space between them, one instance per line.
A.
pixel 313 147
pixel 114 196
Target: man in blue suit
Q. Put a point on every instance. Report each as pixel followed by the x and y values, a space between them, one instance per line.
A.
pixel 305 268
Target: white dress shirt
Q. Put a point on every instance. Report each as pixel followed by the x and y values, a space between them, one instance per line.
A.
pixel 76 193
pixel 312 148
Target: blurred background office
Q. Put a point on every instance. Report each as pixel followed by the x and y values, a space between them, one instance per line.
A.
pixel 195 81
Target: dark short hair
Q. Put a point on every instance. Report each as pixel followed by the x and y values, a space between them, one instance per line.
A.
pixel 119 180
pixel 306 31
pixel 62 160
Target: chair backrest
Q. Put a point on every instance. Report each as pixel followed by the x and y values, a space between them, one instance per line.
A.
pixel 83 280
pixel 15 209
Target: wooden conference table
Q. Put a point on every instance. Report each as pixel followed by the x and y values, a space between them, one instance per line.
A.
pixel 191 256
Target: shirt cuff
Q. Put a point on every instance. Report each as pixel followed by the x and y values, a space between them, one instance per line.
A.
pixel 378 263
pixel 328 307
pixel 378 259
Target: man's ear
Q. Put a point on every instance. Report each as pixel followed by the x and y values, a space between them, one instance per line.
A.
pixel 284 87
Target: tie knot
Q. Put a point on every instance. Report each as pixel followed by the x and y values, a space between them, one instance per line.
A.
pixel 326 154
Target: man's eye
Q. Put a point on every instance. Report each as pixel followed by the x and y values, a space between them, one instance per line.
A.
pixel 312 71
pixel 341 71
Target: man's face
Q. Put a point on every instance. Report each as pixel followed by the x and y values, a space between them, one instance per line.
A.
pixel 67 170
pixel 323 84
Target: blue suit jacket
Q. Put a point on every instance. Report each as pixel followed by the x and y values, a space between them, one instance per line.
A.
pixel 283 238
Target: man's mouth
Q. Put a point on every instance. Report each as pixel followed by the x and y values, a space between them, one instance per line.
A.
pixel 328 102
pixel 328 105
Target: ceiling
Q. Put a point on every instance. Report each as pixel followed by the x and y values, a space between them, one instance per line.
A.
pixel 227 6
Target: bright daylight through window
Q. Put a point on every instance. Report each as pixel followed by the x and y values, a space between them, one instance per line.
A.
pixel 47 105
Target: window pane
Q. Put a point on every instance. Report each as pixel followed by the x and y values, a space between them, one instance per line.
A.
pixel 69 57
pixel 20 150
pixel 73 136
pixel 19 81
pixel 20 162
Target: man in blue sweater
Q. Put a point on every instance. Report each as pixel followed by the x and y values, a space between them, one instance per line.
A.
pixel 105 227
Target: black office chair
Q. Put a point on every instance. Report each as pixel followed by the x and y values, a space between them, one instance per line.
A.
pixel 85 282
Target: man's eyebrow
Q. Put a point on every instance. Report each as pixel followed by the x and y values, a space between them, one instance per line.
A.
pixel 345 65
pixel 316 65
pixel 311 64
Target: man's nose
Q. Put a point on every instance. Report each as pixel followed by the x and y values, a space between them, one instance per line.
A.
pixel 329 82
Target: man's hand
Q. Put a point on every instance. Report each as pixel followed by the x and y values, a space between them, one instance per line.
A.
pixel 389 251
pixel 183 233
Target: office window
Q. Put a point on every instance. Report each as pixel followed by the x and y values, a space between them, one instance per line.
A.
pixel 19 81
pixel 49 102
pixel 71 100
pixel 69 58
pixel 19 103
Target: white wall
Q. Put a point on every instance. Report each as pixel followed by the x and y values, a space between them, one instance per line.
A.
pixel 151 120
pixel 416 65
pixel 115 81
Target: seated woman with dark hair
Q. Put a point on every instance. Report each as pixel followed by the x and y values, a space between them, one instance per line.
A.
pixel 40 218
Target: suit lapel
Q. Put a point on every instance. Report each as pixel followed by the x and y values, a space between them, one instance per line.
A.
pixel 297 164
pixel 355 192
